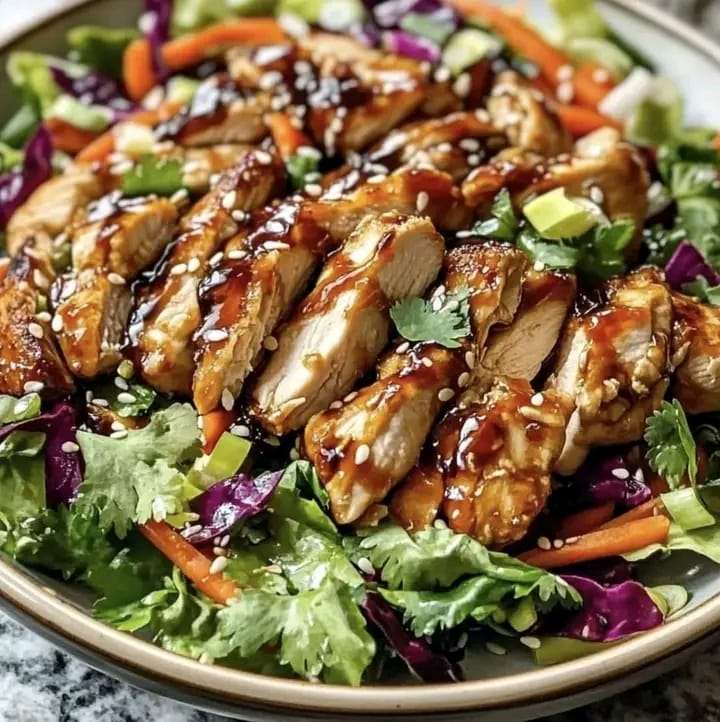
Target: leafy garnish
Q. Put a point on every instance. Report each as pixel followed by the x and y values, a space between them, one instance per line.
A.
pixel 301 167
pixel 153 175
pixel 13 409
pixel 22 475
pixel 444 323
pixel 301 475
pixel 144 399
pixel 703 290
pixel 672 452
pixel 503 224
pixel 101 47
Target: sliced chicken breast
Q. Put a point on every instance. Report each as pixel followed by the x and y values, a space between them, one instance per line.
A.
pixel 166 312
pixel 614 363
pixel 696 355
pixel 339 330
pixel 201 165
pixel 490 463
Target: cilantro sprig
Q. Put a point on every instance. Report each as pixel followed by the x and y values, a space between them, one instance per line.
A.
pixel 672 452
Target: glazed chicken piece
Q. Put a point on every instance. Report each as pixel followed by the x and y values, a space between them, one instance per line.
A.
pixel 199 165
pixel 115 240
pixel 363 446
pixel 522 112
pixel 696 355
pixel 490 463
pixel 50 209
pixel 166 312
pixel 614 364
pixel 338 331
pixel 266 268
pixel 29 357
pixel 519 350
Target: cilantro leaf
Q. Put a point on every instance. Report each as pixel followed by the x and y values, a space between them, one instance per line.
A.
pixel 144 399
pixel 602 250
pixel 22 475
pixel 671 448
pixel 301 475
pixel 116 470
pixel 702 289
pixel 301 168
pixel 13 409
pixel 503 224
pixel 551 255
pixel 153 175
pixel 661 243
pixel 420 320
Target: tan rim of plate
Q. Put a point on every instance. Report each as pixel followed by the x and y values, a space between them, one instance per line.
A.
pixel 62 619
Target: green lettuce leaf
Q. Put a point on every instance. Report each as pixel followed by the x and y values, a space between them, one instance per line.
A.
pixel 705 541
pixel 22 475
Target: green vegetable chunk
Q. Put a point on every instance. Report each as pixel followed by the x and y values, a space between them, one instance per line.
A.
pixel 228 456
pixel 555 216
pixel 467 47
pixel 153 175
pixel 101 47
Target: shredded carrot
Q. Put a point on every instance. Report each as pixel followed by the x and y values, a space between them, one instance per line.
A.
pixel 591 84
pixel 215 424
pixel 286 136
pixel 191 562
pixel 602 543
pixel 67 137
pixel 4 268
pixel 580 121
pixel 643 511
pixel 584 521
pixel 188 50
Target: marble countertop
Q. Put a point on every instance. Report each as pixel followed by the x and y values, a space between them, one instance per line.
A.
pixel 40 684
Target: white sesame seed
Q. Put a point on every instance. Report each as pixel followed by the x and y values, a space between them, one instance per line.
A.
pixel 463 379
pixel 275 246
pixel 119 434
pixel 215 335
pixel 544 543
pixel 121 383
pixel 240 430
pixel 571 539
pixel 461 86
pixel 620 473
pixel 225 540
pixel 422 201
pixel 335 405
pixel 470 359
pixel 57 324
pixel 350 397
pixel 178 269
pixel 214 260
pixel 125 398
pixel 362 454
pixel 191 530
pixel 495 648
pixel 530 642
pixel 378 178
pixel 538 266
pixel 364 565
pixel 218 565
pixel 600 75
pixel 270 343
pixel 239 215
pixel 565 72
pixel 558 543
pixel 218 551
pixel 70 447
pixel 565 92
pixel 426 362
pixel 227 400
pixel 537 399
pixel 442 74
pixel 585 631
pixel 403 347
pixel 228 200
pixel 269 80
pixel 313 189
pixel 263 157
pixel 236 255
pixel 179 196
pixel 597 195
pixel 40 279
pixel 117 426
pixel 294 454
pixel 43 316
pixel 103 403
pixel 470 144
pixel 445 394
pixel 193 265
pixel 36 330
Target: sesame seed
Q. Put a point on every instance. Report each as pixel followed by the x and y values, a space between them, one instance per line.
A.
pixel 215 335
pixel 426 362
pixel 102 403
pixel 495 648
pixel 214 260
pixel 227 400
pixel 470 359
pixel 422 201
pixel 600 75
pixel 236 255
pixel 362 454
pixel 275 246
pixel 403 347
pixel 364 565
pixel 544 543
pixel 565 72
pixel 537 399
pixel 294 454
pixel 70 447
pixel 125 398
pixel 179 196
pixel 463 379
pixel 228 200
pixel 193 265
pixel 352 395
pixel 117 426
pixel 218 565
pixel 39 279
pixel 470 144
pixel 240 430
pixel 585 631
pixel 442 74
pixel 218 551
pixel 36 330
pixel 461 86
pixel 538 266
pixel 571 539
pixel 313 189
pixel 178 269
pixel 558 543
pixel 270 343
pixel 225 540
pixel 57 324
pixel 239 215
pixel 43 316
pixel 335 405
pixel 119 434
pixel 530 642
pixel 191 530
pixel 378 178
pixel 620 473
pixel 597 195
pixel 263 157
pixel 121 383
pixel 445 394
pixel 565 92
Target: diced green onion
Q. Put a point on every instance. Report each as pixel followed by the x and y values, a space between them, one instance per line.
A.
pixel 228 456
pixel 93 118
pixel 523 616
pixel 555 216
pixel 670 598
pixel 181 89
pixel 603 52
pixel 467 47
pixel 555 650
pixel 425 26
pixel 686 509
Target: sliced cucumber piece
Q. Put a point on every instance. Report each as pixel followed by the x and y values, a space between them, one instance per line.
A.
pixel 467 47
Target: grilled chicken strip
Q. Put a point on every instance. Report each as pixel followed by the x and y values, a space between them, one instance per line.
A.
pixel 614 364
pixel 166 311
pixel 29 358
pixel 49 211
pixel 519 350
pixel 339 330
pixel 490 464
pixel 113 243
pixel 199 165
pixel 523 114
pixel 696 355
pixel 362 447
pixel 266 268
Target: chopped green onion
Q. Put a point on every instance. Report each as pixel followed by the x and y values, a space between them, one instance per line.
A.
pixel 467 47
pixel 686 509
pixel 670 598
pixel 523 616
pixel 228 456
pixel 555 650
pixel 555 216
pixel 93 118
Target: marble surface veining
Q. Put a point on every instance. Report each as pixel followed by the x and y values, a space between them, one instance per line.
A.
pixel 40 684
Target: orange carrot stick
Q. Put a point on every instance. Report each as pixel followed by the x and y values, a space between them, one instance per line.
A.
pixel 643 511
pixel 67 137
pixel 4 268
pixel 580 121
pixel 191 562
pixel 584 521
pixel 188 50
pixel 286 136
pixel 591 84
pixel 603 543
pixel 215 424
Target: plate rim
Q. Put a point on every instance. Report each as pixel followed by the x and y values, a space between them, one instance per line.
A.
pixel 59 620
